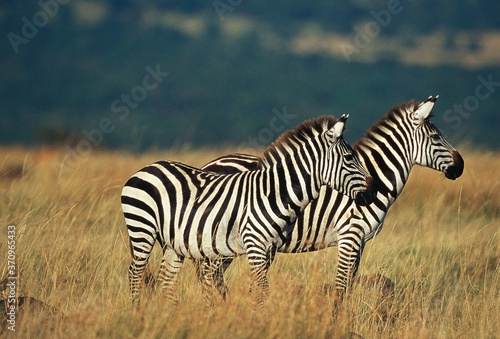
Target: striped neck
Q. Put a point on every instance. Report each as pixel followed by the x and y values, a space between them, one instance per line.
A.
pixel 297 159
pixel 386 152
pixel 291 178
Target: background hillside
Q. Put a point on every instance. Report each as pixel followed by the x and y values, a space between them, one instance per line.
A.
pixel 139 75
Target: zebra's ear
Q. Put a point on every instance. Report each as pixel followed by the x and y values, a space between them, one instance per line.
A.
pixel 424 109
pixel 338 129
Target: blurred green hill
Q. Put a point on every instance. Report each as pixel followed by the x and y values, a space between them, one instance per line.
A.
pixel 136 75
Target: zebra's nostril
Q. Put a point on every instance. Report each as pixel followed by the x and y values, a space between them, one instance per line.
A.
pixel 455 171
pixel 367 196
pixel 459 163
pixel 363 198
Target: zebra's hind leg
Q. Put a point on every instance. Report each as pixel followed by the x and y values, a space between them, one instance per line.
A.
pixel 170 266
pixel 140 255
pixel 219 277
pixel 210 274
pixel 135 275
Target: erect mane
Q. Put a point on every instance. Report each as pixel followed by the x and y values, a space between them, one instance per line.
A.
pixel 305 131
pixel 395 114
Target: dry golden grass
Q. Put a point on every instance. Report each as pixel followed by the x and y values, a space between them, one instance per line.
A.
pixel 439 248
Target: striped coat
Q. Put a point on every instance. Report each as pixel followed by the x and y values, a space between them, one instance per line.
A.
pixel 402 138
pixel 198 214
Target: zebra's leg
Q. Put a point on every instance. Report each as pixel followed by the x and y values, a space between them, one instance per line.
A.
pixel 170 266
pixel 207 276
pixel 260 260
pixel 218 267
pixel 219 277
pixel 140 256
pixel 198 266
pixel 350 250
pixel 210 273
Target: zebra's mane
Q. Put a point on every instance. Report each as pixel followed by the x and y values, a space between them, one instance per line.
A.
pixel 307 130
pixel 395 114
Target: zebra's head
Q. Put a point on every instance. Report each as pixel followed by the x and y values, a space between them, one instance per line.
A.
pixel 344 171
pixel 430 148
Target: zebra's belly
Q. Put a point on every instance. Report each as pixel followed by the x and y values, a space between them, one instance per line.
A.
pixel 208 239
pixel 226 246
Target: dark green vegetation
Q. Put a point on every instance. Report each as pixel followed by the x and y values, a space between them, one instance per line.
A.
pixel 233 73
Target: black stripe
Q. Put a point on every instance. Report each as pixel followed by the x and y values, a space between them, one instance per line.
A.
pixel 152 191
pixel 139 204
pixel 139 219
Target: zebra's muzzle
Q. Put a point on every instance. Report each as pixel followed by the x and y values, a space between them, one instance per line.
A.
pixel 366 197
pixel 455 170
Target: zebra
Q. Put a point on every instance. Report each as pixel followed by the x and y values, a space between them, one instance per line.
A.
pixel 199 214
pixel 403 137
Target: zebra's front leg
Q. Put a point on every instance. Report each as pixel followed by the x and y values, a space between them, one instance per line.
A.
pixel 260 260
pixel 170 266
pixel 350 249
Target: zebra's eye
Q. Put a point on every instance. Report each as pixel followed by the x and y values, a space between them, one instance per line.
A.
pixel 434 136
pixel 348 157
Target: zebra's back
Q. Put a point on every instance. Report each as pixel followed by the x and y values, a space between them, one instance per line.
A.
pixel 233 163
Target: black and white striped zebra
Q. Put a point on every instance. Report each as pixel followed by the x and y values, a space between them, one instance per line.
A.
pixel 402 138
pixel 198 214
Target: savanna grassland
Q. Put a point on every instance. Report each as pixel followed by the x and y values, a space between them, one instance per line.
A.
pixel 438 256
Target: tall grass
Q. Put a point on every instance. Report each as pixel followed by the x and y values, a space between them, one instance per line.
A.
pixel 439 247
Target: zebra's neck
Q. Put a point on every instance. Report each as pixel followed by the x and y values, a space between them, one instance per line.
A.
pixel 386 154
pixel 291 181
